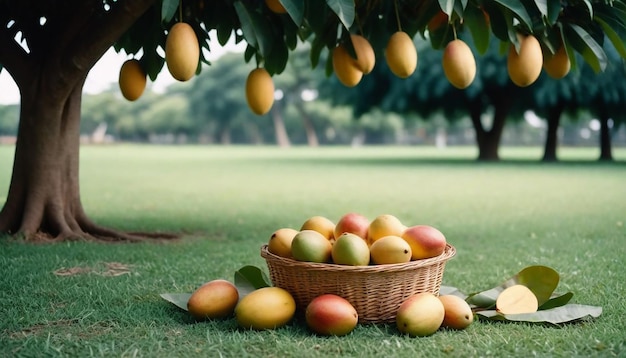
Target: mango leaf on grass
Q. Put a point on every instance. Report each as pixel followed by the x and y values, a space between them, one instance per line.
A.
pixel 557 315
pixel 541 280
pixel 178 299
pixel 250 278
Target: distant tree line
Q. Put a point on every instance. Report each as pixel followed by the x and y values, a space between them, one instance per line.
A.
pixel 313 109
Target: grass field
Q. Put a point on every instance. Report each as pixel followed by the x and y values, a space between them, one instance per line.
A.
pixel 90 299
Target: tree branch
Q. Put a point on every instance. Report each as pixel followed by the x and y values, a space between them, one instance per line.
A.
pixel 101 32
pixel 12 56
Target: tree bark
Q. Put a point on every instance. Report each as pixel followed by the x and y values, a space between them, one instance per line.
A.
pixel 282 138
pixel 489 140
pixel 43 201
pixel 311 135
pixel 554 118
pixel 605 139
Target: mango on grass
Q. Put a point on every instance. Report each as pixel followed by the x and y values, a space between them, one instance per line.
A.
pixel 214 299
pixel 458 313
pixel 265 308
pixel 420 315
pixel 330 314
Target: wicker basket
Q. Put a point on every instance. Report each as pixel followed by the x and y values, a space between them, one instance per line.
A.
pixel 376 291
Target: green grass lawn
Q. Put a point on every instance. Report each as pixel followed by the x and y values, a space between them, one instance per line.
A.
pixel 92 299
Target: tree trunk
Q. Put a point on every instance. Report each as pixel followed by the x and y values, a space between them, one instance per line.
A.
pixel 489 140
pixel 43 201
pixel 554 118
pixel 282 139
pixel 605 139
pixel 311 135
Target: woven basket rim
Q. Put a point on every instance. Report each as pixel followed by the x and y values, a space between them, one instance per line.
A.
pixel 449 252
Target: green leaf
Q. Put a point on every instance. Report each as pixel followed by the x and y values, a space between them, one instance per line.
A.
pixel 485 299
pixel 255 28
pixel 542 5
pixel 613 22
pixel 554 9
pixel 295 9
pixel 447 6
pixel 168 9
pixel 559 315
pixel 542 280
pixel 518 10
pixel 500 19
pixel 344 10
pixel 178 299
pixel 584 43
pixel 249 278
pixel 557 301
pixel 474 18
pixel 449 290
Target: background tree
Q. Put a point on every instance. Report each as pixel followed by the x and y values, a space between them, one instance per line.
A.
pixel 49 48
pixel 488 101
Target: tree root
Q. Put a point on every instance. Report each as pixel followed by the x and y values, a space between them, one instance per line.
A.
pixel 104 235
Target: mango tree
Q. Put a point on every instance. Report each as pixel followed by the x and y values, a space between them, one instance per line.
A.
pixel 48 47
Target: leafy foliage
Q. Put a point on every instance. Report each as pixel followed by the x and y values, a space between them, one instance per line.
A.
pixel 580 25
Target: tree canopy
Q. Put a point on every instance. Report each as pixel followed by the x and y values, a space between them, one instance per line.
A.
pixel 580 25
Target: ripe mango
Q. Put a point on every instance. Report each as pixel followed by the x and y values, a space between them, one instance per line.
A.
pixel 401 54
pixel 425 241
pixel 384 225
pixel 265 308
pixel 458 313
pixel 390 250
pixel 365 58
pixel 321 224
pixel 214 299
pixel 350 249
pixel 345 67
pixel 354 223
pixel 558 65
pixel 132 80
pixel 275 6
pixel 182 51
pixel 280 242
pixel 420 315
pixel 311 246
pixel 331 315
pixel 259 91
pixel 524 67
pixel 459 64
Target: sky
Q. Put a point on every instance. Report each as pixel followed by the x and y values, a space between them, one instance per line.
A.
pixel 105 73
